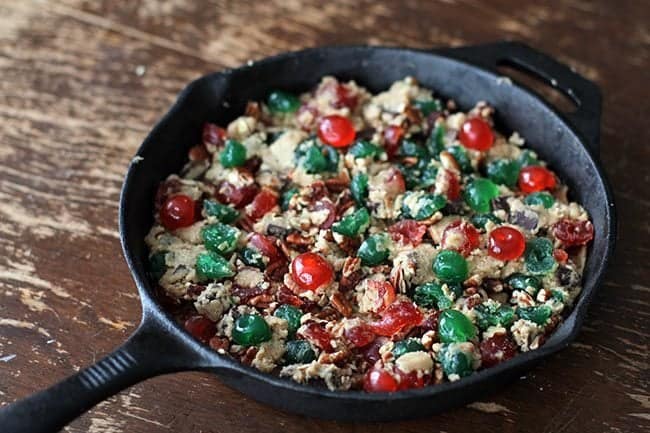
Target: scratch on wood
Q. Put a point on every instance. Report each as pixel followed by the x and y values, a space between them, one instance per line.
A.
pixel 120 325
pixel 489 407
pixel 22 324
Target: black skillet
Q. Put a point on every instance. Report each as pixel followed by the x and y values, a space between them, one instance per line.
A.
pixel 568 141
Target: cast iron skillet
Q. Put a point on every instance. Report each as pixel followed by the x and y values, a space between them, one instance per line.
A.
pixel 568 141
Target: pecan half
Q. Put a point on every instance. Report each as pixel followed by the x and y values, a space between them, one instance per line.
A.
pixel 341 304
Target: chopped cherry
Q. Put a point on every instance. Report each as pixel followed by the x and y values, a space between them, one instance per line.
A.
pixel 397 317
pixel 266 246
pixel 476 134
pixel 573 232
pixel 407 232
pixel 213 135
pixel 337 131
pixel 452 181
pixel 236 196
pixel 536 178
pixel 392 138
pixel 506 243
pixel 311 271
pixel 560 255
pixel 317 335
pixel 325 204
pixel 496 349
pixel 379 380
pixel 411 380
pixel 201 328
pixel 385 293
pixel 360 336
pixel 393 182
pixel 177 211
pixel 460 236
pixel 263 203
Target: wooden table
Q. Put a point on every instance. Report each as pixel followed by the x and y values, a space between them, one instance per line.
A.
pixel 81 83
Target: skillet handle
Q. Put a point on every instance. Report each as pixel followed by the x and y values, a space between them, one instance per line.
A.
pixel 584 93
pixel 150 351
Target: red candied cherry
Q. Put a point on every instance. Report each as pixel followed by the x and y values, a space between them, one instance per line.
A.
pixel 201 328
pixel 496 349
pixel 337 131
pixel 311 271
pixel 460 236
pixel 360 336
pixel 452 180
pixel 475 133
pixel 536 178
pixel 392 138
pixel 379 380
pixel 396 317
pixel 506 243
pixel 263 203
pixel 573 232
pixel 407 232
pixel 177 211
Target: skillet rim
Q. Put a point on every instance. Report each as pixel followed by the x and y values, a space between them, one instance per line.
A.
pixel 152 309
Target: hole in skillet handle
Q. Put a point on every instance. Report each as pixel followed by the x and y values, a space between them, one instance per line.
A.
pixel 529 67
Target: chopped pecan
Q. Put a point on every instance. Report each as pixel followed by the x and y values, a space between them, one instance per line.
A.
pixel 349 245
pixel 194 290
pixel 275 271
pixel 286 296
pixel 253 164
pixel 249 355
pixel 492 285
pixel 449 162
pixel 410 161
pixel 413 115
pixel 198 153
pixel 261 301
pixel 327 313
pixel 297 239
pixel 245 223
pixel 253 110
pixel 220 344
pixel 341 304
pixel 349 282
pixel 317 191
pixel 338 358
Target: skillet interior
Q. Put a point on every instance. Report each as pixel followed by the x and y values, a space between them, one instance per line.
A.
pixel 164 152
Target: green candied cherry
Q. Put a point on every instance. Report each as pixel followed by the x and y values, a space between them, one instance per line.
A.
pixel 353 224
pixel 224 213
pixel 479 194
pixel 503 172
pixel 454 360
pixel 252 257
pixel 220 238
pixel 282 102
pixel 519 281
pixel 359 187
pixel 299 352
pixel 427 106
pixel 420 206
pixel 431 295
pixel 527 157
pixel 233 154
pixel 460 155
pixel 157 266
pixel 407 345
pixel 436 141
pixel 364 149
pixel 411 148
pixel 286 197
pixel 480 220
pixel 559 295
pixel 539 314
pixel 494 314
pixel 315 157
pixel 450 267
pixel 538 257
pixel 541 199
pixel 374 250
pixel 251 330
pixel 455 327
pixel 212 266
pixel 428 176
pixel 292 315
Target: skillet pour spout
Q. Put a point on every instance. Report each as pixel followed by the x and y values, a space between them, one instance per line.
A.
pixel 568 141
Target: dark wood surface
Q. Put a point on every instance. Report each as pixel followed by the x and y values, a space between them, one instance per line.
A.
pixel 81 83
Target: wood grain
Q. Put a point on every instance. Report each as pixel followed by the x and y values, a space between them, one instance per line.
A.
pixel 81 83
